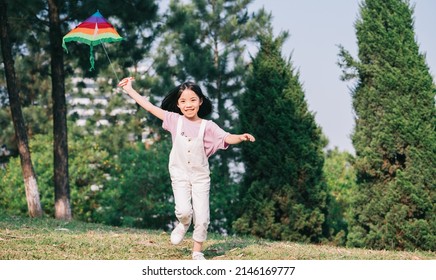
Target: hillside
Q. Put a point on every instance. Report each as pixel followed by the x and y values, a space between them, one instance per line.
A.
pixel 23 238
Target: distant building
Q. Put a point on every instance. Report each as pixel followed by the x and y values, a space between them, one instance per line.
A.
pixel 86 101
pixel 4 156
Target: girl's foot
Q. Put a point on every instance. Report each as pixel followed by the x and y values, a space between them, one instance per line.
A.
pixel 178 233
pixel 198 256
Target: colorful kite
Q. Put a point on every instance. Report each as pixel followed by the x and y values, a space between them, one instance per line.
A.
pixel 93 31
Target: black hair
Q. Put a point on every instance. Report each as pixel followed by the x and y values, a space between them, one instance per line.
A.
pixel 170 101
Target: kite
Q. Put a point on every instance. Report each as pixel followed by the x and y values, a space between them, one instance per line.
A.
pixel 93 31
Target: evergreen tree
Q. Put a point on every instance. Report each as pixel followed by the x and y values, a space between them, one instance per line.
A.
pixel 340 178
pixel 284 194
pixel 394 136
pixel 30 183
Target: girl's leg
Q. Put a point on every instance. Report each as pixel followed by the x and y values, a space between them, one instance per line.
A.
pixel 201 216
pixel 182 200
pixel 183 210
pixel 196 251
pixel 198 246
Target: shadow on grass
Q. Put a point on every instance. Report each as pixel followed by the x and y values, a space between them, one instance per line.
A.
pixel 222 247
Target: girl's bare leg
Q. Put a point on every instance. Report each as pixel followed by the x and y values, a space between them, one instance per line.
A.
pixel 198 246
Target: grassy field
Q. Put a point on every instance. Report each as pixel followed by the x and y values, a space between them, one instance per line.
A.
pixel 23 238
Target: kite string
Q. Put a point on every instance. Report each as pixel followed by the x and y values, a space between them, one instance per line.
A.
pixel 110 62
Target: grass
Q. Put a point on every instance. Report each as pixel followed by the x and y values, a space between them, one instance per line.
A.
pixel 23 238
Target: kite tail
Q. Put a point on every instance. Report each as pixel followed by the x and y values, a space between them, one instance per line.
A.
pixel 91 57
pixel 64 46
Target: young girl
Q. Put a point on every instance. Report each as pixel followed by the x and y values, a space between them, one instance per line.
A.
pixel 194 141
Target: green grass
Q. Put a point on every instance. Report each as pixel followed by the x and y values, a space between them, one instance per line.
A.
pixel 23 238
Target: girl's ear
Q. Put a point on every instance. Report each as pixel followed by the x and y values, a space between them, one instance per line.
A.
pixel 177 103
pixel 201 101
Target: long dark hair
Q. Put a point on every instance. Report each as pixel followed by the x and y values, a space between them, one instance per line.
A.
pixel 170 101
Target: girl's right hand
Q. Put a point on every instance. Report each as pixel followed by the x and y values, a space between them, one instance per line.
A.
pixel 126 83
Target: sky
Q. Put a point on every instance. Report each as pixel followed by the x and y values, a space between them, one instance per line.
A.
pixel 316 28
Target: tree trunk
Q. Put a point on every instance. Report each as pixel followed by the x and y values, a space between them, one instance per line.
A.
pixel 62 188
pixel 30 183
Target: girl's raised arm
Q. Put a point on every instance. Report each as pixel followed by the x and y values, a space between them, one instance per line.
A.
pixel 126 84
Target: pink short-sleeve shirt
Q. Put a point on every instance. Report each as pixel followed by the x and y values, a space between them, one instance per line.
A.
pixel 214 136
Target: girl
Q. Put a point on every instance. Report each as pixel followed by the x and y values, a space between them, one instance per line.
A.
pixel 194 141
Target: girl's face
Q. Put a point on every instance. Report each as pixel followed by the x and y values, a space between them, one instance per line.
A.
pixel 189 104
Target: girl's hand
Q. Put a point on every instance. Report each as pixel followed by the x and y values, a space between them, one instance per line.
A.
pixel 126 83
pixel 238 138
pixel 247 137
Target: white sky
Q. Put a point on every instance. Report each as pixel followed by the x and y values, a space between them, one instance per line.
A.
pixel 316 28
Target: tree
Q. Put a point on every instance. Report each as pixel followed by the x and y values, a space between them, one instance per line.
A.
pixel 394 135
pixel 340 178
pixel 32 67
pixel 283 194
pixel 60 147
pixel 30 182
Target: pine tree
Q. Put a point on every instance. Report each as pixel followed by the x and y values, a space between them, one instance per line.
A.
pixel 29 176
pixel 394 134
pixel 283 194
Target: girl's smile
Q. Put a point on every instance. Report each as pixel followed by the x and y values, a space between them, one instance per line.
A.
pixel 189 104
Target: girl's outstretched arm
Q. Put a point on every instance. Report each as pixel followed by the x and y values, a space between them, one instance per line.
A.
pixel 126 84
pixel 238 138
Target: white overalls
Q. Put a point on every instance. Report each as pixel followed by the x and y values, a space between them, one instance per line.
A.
pixel 190 178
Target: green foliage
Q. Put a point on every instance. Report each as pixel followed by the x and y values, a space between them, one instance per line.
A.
pixel 87 163
pixel 394 137
pixel 7 135
pixel 284 193
pixel 340 178
pixel 224 201
pixel 204 41
pixel 138 193
pixel 131 189
pixel 12 193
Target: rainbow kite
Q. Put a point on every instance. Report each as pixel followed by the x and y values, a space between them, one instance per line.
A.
pixel 93 31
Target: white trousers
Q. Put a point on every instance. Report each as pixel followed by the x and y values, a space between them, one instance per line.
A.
pixel 192 204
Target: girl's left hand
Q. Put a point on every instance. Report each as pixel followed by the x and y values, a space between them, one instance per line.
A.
pixel 247 137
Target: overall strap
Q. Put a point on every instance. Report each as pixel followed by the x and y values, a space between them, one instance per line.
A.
pixel 179 125
pixel 202 129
